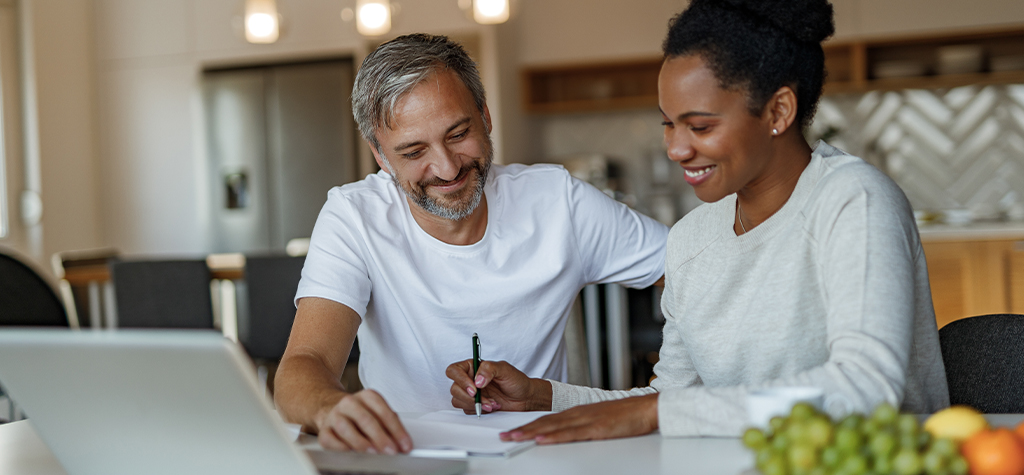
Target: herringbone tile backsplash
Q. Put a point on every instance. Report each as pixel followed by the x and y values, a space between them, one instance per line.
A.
pixel 947 149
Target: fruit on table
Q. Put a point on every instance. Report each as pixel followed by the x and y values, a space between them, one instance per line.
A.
pixel 957 422
pixel 808 442
pixel 994 452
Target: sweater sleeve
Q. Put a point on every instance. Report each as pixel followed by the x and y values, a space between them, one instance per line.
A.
pixel 673 369
pixel 867 251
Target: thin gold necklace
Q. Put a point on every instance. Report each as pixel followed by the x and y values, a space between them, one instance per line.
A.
pixel 739 216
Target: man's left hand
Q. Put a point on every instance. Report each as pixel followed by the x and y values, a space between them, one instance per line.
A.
pixel 628 417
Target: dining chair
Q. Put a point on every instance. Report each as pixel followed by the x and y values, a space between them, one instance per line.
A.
pixel 26 299
pixel 984 359
pixel 162 294
pixel 271 282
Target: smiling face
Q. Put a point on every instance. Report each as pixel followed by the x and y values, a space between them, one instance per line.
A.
pixel 710 131
pixel 438 149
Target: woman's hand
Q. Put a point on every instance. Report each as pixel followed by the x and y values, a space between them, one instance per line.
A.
pixel 604 420
pixel 501 386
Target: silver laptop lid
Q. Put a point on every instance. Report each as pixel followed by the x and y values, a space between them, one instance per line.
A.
pixel 153 402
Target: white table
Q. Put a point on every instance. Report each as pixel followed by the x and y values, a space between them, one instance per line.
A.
pixel 23 453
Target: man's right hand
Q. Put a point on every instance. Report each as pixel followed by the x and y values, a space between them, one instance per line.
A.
pixel 362 422
pixel 502 386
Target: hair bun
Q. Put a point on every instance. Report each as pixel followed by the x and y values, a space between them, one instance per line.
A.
pixel 805 20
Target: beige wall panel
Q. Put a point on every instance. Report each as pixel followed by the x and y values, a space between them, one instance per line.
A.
pixel 904 17
pixel 141 28
pixel 150 183
pixel 65 90
pixel 565 31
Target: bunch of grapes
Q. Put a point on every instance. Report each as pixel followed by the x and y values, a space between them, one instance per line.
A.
pixel 808 442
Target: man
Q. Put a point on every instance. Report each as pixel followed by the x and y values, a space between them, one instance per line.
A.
pixel 437 246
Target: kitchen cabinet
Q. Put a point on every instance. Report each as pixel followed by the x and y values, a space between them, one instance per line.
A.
pixel 935 61
pixel 975 277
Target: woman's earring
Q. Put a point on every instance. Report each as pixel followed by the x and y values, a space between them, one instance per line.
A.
pixel 775 131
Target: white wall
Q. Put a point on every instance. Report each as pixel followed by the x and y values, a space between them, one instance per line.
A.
pixel 120 122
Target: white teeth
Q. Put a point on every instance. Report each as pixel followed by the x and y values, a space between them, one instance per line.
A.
pixel 698 173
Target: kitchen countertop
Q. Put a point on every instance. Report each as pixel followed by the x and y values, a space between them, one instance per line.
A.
pixel 975 231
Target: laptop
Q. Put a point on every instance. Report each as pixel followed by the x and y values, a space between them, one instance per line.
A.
pixel 164 402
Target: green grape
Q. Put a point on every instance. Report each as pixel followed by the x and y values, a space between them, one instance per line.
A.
pixel 819 431
pixel 934 463
pixel 855 464
pixel 882 444
pixel 957 465
pixel 780 442
pixel 819 470
pixel 797 430
pixel 763 455
pixel 923 439
pixel 907 424
pixel 885 414
pixel 852 421
pixel 754 438
pixel 870 426
pixel 802 456
pixel 907 462
pixel 831 457
pixel 777 424
pixel 907 441
pixel 882 465
pixel 774 466
pixel 802 411
pixel 848 440
pixel 945 447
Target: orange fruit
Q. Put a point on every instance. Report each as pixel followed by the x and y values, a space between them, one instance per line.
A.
pixel 994 452
pixel 1020 431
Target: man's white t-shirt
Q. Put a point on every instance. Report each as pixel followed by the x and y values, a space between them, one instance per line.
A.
pixel 421 300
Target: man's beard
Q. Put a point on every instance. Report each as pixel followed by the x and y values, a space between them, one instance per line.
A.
pixel 458 210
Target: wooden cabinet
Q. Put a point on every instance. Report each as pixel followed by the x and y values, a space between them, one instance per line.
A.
pixel 592 87
pixel 992 56
pixel 971 278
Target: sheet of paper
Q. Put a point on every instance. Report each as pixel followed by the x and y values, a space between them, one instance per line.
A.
pixel 495 420
pixel 454 434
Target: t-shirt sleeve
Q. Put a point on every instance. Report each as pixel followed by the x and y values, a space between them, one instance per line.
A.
pixel 615 243
pixel 868 252
pixel 335 268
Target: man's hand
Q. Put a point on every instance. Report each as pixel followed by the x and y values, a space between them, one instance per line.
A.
pixel 604 420
pixel 502 387
pixel 362 422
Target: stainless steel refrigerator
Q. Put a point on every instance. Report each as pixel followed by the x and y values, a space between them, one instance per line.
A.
pixel 278 137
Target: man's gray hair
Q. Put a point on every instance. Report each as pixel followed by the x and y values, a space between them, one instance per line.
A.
pixel 396 67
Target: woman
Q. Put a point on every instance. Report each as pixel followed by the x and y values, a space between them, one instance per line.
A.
pixel 803 268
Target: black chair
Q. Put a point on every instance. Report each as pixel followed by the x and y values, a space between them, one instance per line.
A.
pixel 162 294
pixel 26 299
pixel 271 282
pixel 984 358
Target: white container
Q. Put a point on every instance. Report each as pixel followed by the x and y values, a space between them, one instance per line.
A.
pixel 764 404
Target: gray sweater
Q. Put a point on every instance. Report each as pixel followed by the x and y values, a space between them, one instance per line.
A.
pixel 831 291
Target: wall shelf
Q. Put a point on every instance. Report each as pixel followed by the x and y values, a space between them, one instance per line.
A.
pixel 936 61
pixel 919 62
pixel 591 87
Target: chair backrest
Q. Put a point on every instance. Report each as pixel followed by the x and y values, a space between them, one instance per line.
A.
pixel 984 358
pixel 271 284
pixel 26 299
pixel 162 294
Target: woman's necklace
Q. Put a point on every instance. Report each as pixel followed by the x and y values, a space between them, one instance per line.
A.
pixel 739 216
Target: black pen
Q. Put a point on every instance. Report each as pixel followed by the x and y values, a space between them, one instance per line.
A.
pixel 476 366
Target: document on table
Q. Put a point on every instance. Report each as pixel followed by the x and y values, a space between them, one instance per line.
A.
pixel 452 433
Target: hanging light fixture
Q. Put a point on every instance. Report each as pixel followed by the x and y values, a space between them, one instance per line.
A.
pixel 490 12
pixel 261 21
pixel 373 17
